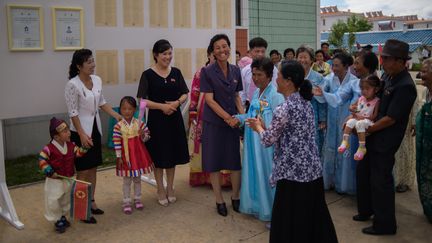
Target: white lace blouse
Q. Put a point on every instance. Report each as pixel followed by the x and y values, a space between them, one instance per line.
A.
pixel 84 103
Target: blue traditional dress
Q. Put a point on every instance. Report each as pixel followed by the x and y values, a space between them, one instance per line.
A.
pixel 256 195
pixel 339 169
pixel 320 109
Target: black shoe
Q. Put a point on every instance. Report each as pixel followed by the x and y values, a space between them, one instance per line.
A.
pixel 222 209
pixel 92 220
pixel 360 217
pixel 235 204
pixel 60 227
pixel 97 211
pixel 371 231
pixel 65 221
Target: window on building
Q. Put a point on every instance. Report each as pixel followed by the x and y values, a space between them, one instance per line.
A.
pixel 323 22
pixel 410 26
pixel 238 12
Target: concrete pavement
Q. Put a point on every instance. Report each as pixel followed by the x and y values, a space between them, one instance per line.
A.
pixel 192 218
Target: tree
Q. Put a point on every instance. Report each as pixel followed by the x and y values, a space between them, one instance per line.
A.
pixel 354 24
pixel 337 32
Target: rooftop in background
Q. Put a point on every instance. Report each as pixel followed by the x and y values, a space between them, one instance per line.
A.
pixel 334 11
pixel 415 38
pixel 372 15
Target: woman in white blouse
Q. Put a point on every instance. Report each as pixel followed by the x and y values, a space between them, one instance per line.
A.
pixel 83 94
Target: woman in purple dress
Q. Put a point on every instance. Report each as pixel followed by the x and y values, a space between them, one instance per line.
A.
pixel 220 83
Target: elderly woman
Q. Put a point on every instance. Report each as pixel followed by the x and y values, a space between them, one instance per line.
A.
pixel 84 97
pixel 305 57
pixel 220 83
pixel 424 143
pixel 300 213
pixel 256 195
pixel 340 89
pixel 164 89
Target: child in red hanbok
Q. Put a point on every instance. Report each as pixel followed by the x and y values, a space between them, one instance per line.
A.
pixel 133 159
pixel 57 160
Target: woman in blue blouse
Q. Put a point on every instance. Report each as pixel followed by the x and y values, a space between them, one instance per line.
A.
pixel 300 212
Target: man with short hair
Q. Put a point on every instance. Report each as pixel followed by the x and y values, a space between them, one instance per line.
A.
pixel 325 48
pixel 257 50
pixel 375 185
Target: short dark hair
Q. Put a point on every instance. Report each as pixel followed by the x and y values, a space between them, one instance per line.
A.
pixel 325 44
pixel 309 51
pixel 257 42
pixel 319 51
pixel 78 59
pixel 237 52
pixel 289 50
pixel 274 51
pixel 370 61
pixel 345 59
pixel 216 38
pixel 159 47
pixel 264 65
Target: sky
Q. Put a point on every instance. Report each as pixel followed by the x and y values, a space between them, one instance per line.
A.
pixel 423 8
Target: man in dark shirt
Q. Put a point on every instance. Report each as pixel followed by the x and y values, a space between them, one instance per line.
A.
pixel 375 186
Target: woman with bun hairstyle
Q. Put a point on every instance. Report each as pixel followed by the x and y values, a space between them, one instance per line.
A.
pixel 300 212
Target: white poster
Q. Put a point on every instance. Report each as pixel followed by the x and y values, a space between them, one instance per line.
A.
pixel 68 29
pixel 25 28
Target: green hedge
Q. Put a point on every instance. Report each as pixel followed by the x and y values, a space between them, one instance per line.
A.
pixel 25 169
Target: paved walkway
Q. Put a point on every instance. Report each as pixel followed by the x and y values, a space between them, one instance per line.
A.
pixel 192 219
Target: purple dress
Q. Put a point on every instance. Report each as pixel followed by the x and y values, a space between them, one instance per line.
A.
pixel 220 142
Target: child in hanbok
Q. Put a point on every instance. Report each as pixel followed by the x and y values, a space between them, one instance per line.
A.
pixel 367 111
pixel 133 159
pixel 57 160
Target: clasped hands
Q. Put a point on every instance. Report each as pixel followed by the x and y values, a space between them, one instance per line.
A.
pixel 170 107
pixel 232 122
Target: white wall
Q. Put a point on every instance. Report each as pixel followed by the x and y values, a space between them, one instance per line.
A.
pixel 32 83
pixel 330 20
pixel 423 25
pixel 398 24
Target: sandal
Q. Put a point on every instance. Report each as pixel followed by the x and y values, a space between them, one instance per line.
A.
pixel 127 208
pixel 163 202
pixel 344 146
pixel 138 204
pixel 172 199
pixel 359 155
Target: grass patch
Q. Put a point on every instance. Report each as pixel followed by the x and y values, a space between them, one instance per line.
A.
pixel 25 169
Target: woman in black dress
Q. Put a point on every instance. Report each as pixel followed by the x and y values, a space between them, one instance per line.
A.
pixel 165 90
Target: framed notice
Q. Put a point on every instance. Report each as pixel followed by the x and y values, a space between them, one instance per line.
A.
pixel 68 28
pixel 25 27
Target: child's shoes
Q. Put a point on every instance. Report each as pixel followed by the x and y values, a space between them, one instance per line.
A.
pixel 65 221
pixel 359 155
pixel 127 208
pixel 344 146
pixel 138 204
pixel 60 226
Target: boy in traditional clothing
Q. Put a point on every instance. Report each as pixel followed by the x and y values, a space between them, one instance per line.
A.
pixel 57 159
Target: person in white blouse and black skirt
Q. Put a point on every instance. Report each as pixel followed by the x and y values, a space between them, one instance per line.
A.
pixel 83 94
